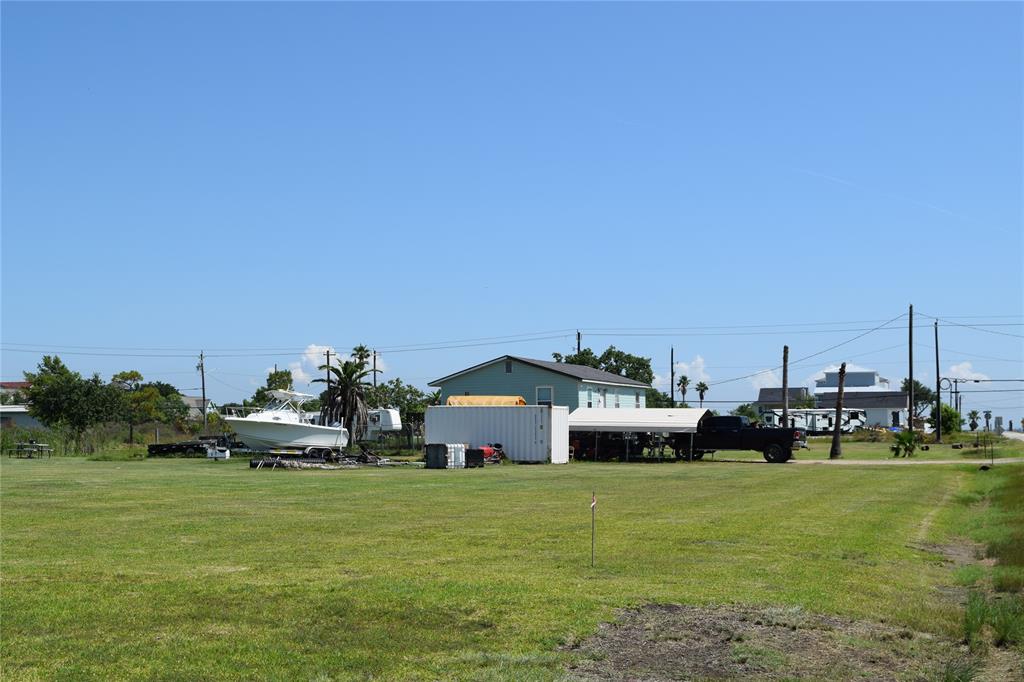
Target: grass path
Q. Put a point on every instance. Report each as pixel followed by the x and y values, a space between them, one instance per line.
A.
pixel 186 569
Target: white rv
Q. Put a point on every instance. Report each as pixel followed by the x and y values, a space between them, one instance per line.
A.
pixel 816 421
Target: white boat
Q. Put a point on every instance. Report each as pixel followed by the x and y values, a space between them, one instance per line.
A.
pixel 283 424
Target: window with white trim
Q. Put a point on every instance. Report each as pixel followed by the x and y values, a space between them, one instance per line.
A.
pixel 508 367
pixel 617 399
pixel 590 397
pixel 545 395
pixel 637 394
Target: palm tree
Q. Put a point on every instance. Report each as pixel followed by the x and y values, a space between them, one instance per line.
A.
pixel 974 416
pixel 346 397
pixel 434 398
pixel 683 384
pixel 702 388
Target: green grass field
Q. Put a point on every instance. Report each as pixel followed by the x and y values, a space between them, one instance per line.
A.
pixel 819 446
pixel 189 569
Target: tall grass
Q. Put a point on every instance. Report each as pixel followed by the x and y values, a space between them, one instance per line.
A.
pixel 975 616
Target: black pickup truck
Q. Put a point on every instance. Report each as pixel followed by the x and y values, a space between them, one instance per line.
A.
pixel 736 433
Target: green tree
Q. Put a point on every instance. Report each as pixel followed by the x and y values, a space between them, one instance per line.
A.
pixel 165 389
pixel 656 398
pixel 683 384
pixel 806 403
pixel 62 400
pixel 924 397
pixel 345 399
pixel 585 357
pixel 951 419
pixel 612 360
pixel 974 416
pixel 747 410
pixel 138 406
pixel 410 401
pixel 277 380
pixel 702 388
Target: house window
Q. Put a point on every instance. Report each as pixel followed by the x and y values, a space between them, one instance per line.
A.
pixel 895 418
pixel 617 399
pixel 545 395
pixel 637 395
pixel 590 397
pixel 508 367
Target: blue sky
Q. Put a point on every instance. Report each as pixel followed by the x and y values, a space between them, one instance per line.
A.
pixel 250 176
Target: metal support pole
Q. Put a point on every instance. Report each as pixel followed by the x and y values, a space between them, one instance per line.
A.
pixel 910 362
pixel 785 386
pixel 593 525
pixel 938 389
pixel 672 374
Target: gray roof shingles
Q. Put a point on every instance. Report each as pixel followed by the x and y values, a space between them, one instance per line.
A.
pixel 581 372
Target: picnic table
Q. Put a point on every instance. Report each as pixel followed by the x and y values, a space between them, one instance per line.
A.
pixel 31 450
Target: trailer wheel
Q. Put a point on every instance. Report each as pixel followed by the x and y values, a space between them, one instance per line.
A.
pixel 696 456
pixel 776 454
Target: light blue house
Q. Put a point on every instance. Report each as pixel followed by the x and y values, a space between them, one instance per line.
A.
pixel 542 382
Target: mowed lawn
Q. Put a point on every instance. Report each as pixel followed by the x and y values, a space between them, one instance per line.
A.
pixel 189 569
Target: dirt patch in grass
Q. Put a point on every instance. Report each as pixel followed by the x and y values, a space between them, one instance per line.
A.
pixel 672 642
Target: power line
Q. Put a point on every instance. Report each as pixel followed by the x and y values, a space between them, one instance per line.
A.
pixel 813 355
pixel 979 328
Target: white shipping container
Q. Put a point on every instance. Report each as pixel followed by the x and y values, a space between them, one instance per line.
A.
pixel 531 433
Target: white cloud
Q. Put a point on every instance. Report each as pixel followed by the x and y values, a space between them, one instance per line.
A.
pixel 694 370
pixel 307 367
pixel 965 371
pixel 767 378
pixel 299 374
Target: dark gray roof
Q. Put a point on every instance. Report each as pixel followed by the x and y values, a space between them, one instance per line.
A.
pixel 865 399
pixel 580 372
pixel 774 395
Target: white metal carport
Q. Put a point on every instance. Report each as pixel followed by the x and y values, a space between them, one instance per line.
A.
pixel 643 420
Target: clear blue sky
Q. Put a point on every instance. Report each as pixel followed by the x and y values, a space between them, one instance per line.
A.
pixel 270 176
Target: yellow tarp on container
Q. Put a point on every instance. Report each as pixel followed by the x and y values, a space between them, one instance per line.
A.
pixel 485 400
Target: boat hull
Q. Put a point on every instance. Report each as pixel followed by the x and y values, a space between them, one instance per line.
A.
pixel 267 435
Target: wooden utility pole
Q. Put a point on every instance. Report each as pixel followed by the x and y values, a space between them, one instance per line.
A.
pixel 938 389
pixel 375 369
pixel 910 371
pixel 328 353
pixel 837 448
pixel 202 375
pixel 785 387
pixel 579 341
pixel 672 374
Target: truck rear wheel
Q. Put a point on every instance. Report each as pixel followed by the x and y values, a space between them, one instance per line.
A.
pixel 776 454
